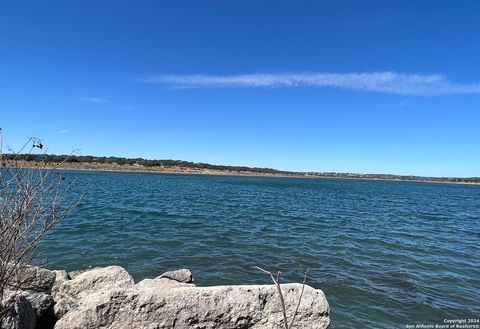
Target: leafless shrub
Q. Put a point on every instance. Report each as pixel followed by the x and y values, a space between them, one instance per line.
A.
pixel 276 281
pixel 32 201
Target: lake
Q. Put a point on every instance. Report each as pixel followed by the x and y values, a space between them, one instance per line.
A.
pixel 385 253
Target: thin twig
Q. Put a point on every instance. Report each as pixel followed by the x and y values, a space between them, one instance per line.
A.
pixel 300 298
pixel 279 289
pixel 282 301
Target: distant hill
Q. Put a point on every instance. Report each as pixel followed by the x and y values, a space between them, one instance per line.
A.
pixel 167 165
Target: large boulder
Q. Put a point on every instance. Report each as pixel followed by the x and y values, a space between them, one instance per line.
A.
pixel 19 312
pixel 71 292
pixel 94 280
pixel 32 278
pixel 155 304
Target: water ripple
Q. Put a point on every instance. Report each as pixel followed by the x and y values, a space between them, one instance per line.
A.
pixel 385 253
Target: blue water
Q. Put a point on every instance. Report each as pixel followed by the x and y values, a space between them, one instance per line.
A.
pixel 386 254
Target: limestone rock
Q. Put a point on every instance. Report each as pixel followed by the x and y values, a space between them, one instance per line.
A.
pixel 94 280
pixel 160 283
pixel 182 275
pixel 41 302
pixel 74 274
pixel 60 277
pixel 147 306
pixel 33 278
pixel 70 292
pixel 20 314
pixel 62 306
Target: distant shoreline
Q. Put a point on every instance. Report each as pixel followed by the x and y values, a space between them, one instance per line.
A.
pixel 114 167
pixel 253 174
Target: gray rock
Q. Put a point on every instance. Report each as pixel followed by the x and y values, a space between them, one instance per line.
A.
pixel 41 302
pixel 154 304
pixel 161 283
pixel 74 274
pixel 94 280
pixel 20 313
pixel 62 306
pixel 33 278
pixel 182 275
pixel 60 277
pixel 71 292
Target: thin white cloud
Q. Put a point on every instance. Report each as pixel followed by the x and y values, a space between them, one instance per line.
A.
pixel 95 100
pixel 383 82
pixel 63 131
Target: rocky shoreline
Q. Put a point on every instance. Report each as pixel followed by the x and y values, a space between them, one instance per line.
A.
pixel 109 298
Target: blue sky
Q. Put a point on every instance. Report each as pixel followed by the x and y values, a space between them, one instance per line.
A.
pixel 351 86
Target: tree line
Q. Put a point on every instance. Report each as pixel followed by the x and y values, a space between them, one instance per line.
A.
pixel 166 163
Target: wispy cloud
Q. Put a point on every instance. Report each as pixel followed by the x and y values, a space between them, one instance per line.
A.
pixel 95 100
pixel 63 131
pixel 383 82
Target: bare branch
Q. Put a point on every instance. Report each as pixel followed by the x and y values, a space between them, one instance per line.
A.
pixel 32 201
pixel 282 301
pixel 279 289
pixel 300 298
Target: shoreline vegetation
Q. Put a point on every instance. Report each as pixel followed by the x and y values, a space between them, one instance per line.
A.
pixel 89 162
